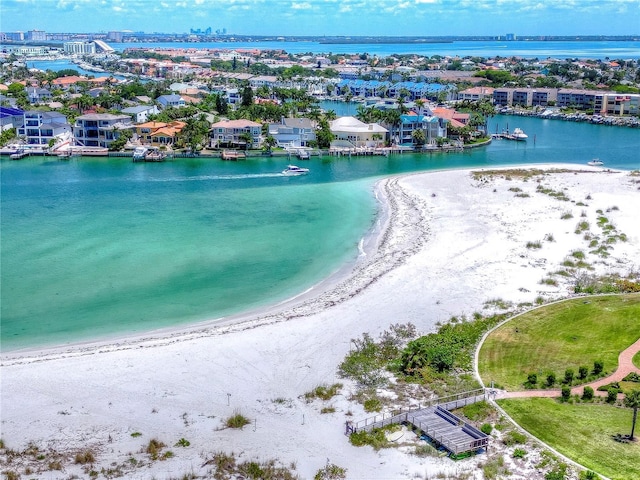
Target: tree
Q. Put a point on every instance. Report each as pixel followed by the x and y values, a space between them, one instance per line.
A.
pixel 269 143
pixel 632 400
pixel 221 105
pixel 247 138
pixel 598 366
pixel 418 137
pixel 247 96
pixel 324 136
pixel 583 371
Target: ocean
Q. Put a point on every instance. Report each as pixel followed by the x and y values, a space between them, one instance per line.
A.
pixel 97 248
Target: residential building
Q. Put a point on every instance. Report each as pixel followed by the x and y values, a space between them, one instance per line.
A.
pixel 159 133
pixel 79 48
pixel 140 113
pixel 36 36
pixel 582 99
pixel 476 93
pixel 544 97
pixel 229 132
pixel 432 126
pixel 503 96
pixel 357 133
pixel 100 129
pixel 38 95
pixel 173 100
pixel 10 117
pixel 294 132
pixel 618 104
pixel 39 128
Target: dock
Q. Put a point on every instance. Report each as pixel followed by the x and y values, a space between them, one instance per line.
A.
pixel 436 422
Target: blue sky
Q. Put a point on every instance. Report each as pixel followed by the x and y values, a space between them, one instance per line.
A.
pixel 328 17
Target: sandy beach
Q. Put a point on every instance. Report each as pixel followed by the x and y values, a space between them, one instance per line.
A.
pixel 445 244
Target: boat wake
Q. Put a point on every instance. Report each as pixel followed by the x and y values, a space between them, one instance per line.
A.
pixel 202 178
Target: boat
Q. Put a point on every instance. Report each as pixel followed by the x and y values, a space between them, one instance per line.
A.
pixel 18 155
pixel 596 162
pixel 303 154
pixel 232 155
pixel 139 154
pixel 517 135
pixel 154 154
pixel 292 170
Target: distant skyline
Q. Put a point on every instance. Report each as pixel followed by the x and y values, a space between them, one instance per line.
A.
pixel 328 17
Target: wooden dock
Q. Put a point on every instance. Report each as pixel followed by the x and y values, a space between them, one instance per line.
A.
pixel 436 422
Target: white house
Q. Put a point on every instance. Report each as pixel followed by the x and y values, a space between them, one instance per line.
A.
pixel 167 101
pixel 140 113
pixel 358 133
pixel 294 132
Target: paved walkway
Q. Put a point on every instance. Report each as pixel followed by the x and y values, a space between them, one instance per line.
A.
pixel 625 367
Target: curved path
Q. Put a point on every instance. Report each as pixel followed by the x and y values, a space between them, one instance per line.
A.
pixel 625 367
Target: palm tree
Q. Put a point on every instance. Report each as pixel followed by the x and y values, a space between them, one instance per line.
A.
pixel 632 400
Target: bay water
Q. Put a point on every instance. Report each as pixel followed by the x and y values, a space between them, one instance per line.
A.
pixel 94 248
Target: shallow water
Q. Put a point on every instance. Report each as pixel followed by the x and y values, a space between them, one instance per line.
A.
pixel 98 247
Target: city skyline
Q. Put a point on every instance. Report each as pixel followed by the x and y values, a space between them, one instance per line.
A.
pixel 328 17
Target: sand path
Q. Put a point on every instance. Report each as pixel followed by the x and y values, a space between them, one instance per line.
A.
pixel 625 367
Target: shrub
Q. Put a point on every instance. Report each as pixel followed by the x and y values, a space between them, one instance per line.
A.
pixel 566 215
pixel 486 428
pixel 182 443
pixel 327 410
pixel 514 437
pixel 587 393
pixel 136 434
pixel 589 475
pixel 566 393
pixel 612 395
pixel 536 244
pixel 372 405
pixel 237 420
pixel 331 472
pixel 519 453
pixel 568 376
pixel 532 379
pixel 323 392
pixel 583 371
pixel 154 447
pixel 477 411
pixel 551 379
pixel 598 366
pixel 85 457
pixel 375 438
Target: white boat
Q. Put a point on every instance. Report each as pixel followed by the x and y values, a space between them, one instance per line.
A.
pixel 518 135
pixel 596 162
pixel 303 154
pixel 295 170
pixel 139 154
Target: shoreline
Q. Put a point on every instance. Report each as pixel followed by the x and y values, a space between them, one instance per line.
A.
pixel 347 281
pixel 451 245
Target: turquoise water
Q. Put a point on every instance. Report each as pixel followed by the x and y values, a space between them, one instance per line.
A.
pixel 98 247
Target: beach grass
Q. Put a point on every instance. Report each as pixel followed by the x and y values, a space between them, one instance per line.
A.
pixel 560 336
pixel 582 432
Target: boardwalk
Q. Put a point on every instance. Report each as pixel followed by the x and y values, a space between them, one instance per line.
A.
pixel 436 422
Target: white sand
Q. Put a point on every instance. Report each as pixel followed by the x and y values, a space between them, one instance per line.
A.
pixel 442 255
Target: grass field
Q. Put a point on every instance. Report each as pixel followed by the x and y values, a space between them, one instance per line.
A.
pixel 636 359
pixel 560 336
pixel 582 432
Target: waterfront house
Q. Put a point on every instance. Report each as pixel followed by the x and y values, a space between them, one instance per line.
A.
pixel 174 100
pixel 357 133
pixel 140 113
pixel 293 132
pixel 39 128
pixel 230 132
pixel 100 129
pixel 158 133
pixel 431 125
pixel 10 117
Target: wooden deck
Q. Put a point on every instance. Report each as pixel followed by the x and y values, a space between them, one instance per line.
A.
pixel 436 422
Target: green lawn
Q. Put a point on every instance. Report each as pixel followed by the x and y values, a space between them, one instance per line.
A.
pixel 636 359
pixel 560 336
pixel 582 432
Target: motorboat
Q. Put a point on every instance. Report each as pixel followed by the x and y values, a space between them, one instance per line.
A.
pixel 518 135
pixel 596 162
pixel 295 170
pixel 139 154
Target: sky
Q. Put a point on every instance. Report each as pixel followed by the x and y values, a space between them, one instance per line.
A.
pixel 328 17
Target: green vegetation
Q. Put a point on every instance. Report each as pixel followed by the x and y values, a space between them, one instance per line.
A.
pixel 376 438
pixel 582 432
pixel 536 244
pixel 323 392
pixel 477 411
pixel 559 337
pixel 154 448
pixel 330 472
pixel 224 465
pixel 237 420
pixel 636 359
pixel 566 215
pixel 182 443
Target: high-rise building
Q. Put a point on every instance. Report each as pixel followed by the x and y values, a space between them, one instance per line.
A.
pixel 115 37
pixel 82 48
pixel 36 36
pixel 510 37
pixel 15 36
